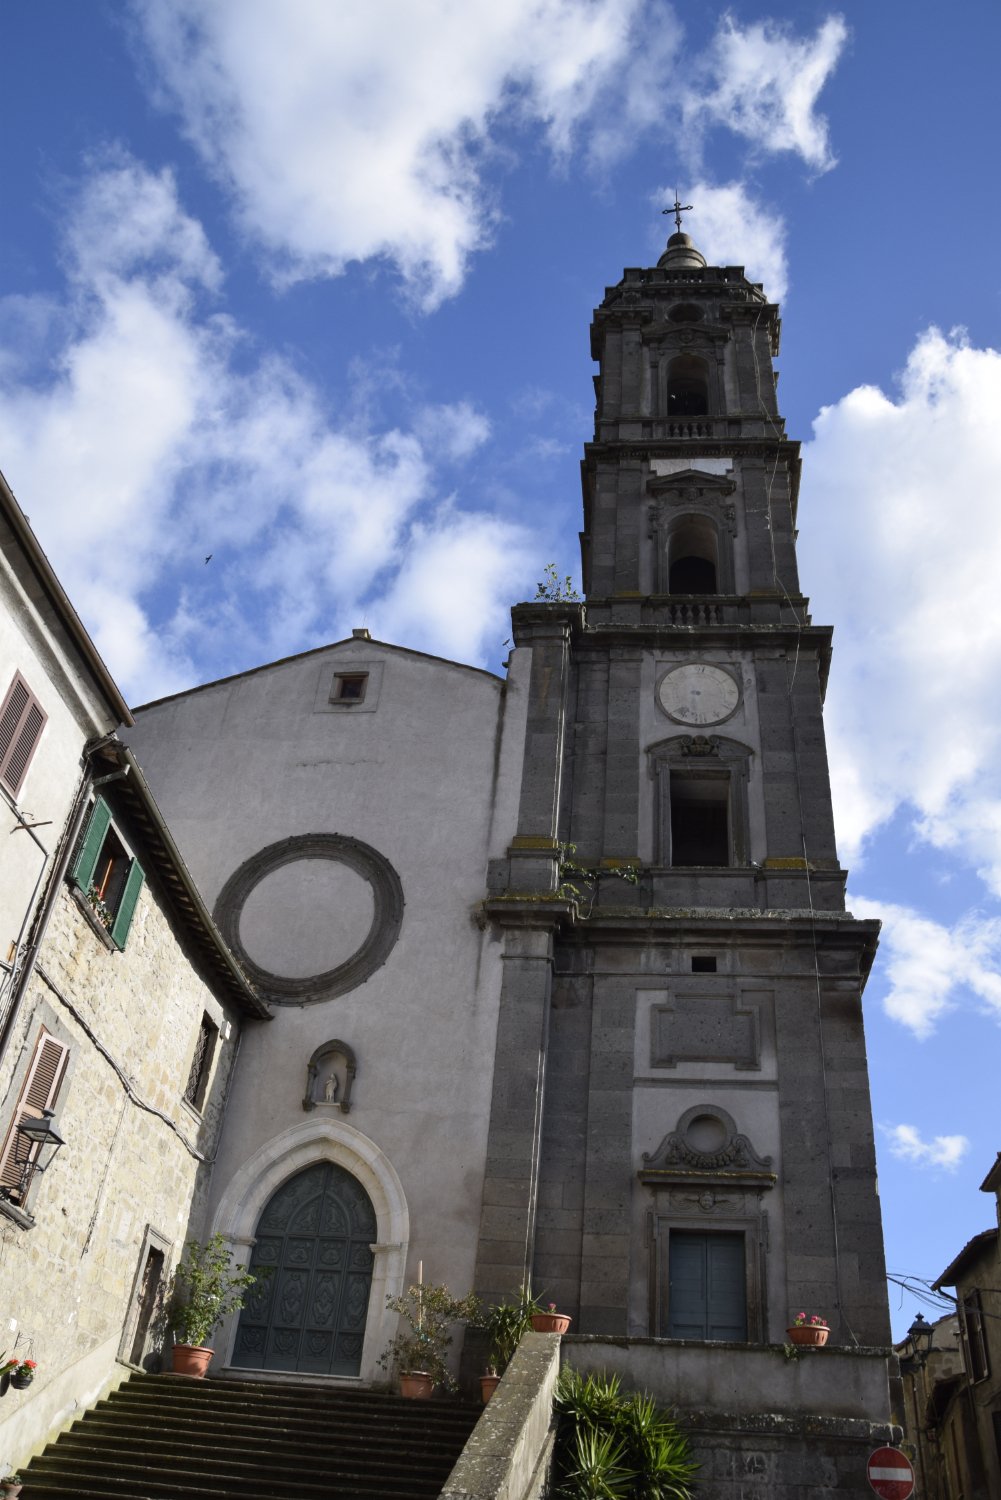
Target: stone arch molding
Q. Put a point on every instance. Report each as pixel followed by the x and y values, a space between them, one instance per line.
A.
pixel 250 1189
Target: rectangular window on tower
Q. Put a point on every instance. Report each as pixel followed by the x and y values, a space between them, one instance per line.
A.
pixel 700 819
pixel 107 874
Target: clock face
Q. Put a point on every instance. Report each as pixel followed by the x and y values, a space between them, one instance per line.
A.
pixel 698 694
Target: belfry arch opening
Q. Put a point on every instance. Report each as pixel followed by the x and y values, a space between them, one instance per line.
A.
pixel 687 387
pixel 693 557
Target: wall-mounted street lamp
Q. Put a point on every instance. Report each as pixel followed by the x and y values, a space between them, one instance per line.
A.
pixel 921 1334
pixel 36 1141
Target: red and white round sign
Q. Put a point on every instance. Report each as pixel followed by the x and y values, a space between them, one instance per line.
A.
pixel 890 1474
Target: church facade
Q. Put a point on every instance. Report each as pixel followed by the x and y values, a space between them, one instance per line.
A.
pixel 561 983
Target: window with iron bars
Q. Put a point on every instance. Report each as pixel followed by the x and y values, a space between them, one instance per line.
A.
pixel 201 1064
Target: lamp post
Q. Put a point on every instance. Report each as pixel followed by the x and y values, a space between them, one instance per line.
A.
pixel 36 1141
pixel 921 1336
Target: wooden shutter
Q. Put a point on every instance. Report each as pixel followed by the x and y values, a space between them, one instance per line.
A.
pixel 82 872
pixel 39 1091
pixel 22 720
pixel 707 1295
pixel 127 905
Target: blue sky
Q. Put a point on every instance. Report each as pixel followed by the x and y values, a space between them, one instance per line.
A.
pixel 309 292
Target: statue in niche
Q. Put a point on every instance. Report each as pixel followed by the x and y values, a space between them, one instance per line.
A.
pixel 330 1074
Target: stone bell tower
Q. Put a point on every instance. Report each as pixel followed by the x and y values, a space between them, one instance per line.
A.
pixel 681 1145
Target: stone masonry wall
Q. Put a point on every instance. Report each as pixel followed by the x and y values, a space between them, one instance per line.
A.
pixel 134 1156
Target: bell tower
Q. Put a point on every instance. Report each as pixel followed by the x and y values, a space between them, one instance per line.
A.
pixel 681 1145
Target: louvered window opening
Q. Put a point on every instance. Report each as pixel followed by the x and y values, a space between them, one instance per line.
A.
pixel 973 1332
pixel 39 1092
pixel 22 720
pixel 194 1092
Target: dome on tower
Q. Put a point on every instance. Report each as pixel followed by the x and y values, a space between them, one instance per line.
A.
pixel 681 254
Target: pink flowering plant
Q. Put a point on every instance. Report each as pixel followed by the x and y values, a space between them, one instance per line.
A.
pixel 809 1320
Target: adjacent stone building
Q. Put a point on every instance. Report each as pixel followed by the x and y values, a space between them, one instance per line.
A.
pixel 964 1412
pixel 121 1015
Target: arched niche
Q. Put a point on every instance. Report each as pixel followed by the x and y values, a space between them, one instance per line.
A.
pixel 330 1076
pixel 332 1139
pixel 692 527
pixel 692 558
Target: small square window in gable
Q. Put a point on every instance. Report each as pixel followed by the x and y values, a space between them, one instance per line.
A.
pixel 348 687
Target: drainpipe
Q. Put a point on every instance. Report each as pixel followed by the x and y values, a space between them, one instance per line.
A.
pixel 64 849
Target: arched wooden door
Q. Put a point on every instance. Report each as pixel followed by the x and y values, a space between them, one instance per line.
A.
pixel 308 1314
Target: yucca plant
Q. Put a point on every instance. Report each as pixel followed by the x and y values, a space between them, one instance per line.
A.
pixel 610 1444
pixel 595 1468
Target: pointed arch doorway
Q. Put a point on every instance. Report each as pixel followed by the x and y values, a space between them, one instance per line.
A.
pixel 314 1238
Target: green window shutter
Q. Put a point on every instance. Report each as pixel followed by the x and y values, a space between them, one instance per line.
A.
pixel 127 905
pixel 82 872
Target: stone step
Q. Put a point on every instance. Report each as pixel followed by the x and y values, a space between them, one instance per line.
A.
pixel 164 1436
pixel 167 1437
pixel 146 1475
pixel 355 1408
pixel 143 1417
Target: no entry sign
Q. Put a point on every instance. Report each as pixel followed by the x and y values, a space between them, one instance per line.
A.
pixel 890 1474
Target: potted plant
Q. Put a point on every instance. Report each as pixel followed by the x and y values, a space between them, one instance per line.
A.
pixel 550 1321
pixel 809 1330
pixel 11 1484
pixel 420 1348
pixel 211 1287
pixel 22 1373
pixel 504 1323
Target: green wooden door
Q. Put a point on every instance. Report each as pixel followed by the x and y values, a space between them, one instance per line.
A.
pixel 308 1314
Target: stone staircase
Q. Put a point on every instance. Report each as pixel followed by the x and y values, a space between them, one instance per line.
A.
pixel 161 1437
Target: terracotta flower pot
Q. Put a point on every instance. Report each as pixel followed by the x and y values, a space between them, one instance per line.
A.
pixel 192 1359
pixel 812 1336
pixel 416 1385
pixel 551 1322
pixel 13 1490
pixel 488 1384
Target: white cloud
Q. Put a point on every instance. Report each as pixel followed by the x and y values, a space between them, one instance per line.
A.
pixel 763 83
pixel 359 133
pixel 945 1151
pixel 151 439
pixel 732 229
pixel 926 965
pixel 900 544
pixel 449 595
pixel 454 431
pixel 347 133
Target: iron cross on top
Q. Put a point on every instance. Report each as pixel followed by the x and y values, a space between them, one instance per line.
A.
pixel 677 209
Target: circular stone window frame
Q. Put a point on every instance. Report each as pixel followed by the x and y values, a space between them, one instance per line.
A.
pixel 337 848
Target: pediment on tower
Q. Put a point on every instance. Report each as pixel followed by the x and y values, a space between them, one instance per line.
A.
pixel 685 337
pixel 690 484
